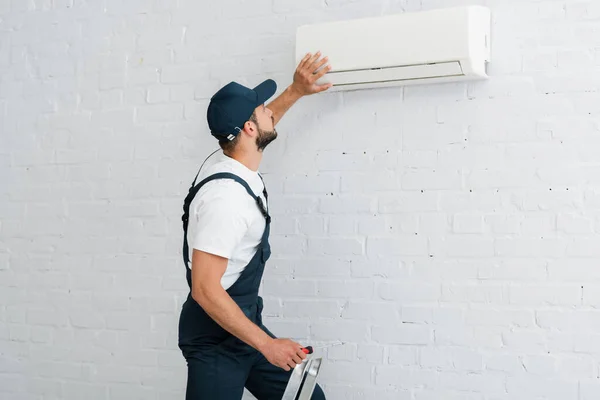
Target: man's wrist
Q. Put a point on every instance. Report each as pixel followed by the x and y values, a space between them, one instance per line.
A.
pixel 263 343
pixel 294 91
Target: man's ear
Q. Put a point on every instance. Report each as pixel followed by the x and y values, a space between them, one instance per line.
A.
pixel 250 128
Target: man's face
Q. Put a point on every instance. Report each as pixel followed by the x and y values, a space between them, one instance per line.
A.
pixel 266 127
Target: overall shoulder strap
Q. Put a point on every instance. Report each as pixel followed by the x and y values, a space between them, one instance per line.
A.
pixel 188 201
pixel 264 190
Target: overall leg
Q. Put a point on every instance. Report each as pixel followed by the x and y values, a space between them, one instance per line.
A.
pixel 215 377
pixel 268 382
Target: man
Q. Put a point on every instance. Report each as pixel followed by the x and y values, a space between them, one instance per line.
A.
pixel 226 231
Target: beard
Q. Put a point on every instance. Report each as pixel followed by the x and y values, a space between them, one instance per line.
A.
pixel 264 138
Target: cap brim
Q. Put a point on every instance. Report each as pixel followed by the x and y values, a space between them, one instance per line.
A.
pixel 265 90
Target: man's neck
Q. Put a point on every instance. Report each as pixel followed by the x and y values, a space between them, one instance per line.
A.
pixel 250 160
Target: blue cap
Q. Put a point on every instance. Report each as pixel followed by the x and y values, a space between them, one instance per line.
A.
pixel 232 106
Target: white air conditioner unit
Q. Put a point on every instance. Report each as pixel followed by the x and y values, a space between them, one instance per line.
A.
pixel 443 45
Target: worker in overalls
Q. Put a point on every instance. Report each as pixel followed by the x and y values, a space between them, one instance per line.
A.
pixel 226 236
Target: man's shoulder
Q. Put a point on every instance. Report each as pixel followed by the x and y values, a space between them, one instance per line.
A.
pixel 228 189
pixel 223 189
pixel 253 181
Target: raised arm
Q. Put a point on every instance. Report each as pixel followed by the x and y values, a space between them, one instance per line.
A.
pixel 304 84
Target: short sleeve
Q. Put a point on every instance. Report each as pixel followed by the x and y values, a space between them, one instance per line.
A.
pixel 221 220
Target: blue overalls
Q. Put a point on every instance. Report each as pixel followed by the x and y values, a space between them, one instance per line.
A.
pixel 219 364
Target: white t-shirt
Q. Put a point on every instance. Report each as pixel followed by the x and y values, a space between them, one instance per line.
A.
pixel 224 219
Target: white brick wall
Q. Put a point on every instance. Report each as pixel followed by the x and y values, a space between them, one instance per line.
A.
pixel 449 234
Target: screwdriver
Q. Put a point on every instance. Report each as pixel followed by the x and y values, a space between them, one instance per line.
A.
pixel 310 349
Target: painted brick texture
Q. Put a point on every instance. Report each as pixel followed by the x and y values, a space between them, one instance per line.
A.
pixel 449 234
